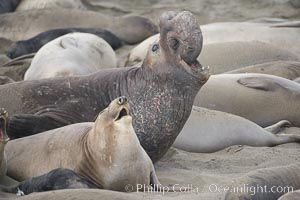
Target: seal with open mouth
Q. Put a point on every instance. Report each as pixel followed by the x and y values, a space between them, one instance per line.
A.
pixel 106 152
pixel 161 90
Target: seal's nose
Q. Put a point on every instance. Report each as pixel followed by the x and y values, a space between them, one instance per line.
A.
pixel 122 100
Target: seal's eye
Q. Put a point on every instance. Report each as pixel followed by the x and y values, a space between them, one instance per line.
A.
pixel 155 47
pixel 122 100
pixel 174 43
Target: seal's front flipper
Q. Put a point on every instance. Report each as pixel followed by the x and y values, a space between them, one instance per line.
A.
pixel 257 83
pixel 154 182
pixel 276 128
pixel 22 125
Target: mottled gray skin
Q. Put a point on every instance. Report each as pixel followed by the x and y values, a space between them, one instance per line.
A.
pixel 161 91
pixel 56 179
pixel 8 5
pixel 130 29
pixel 286 178
pixel 295 195
pixel 285 69
pixel 33 44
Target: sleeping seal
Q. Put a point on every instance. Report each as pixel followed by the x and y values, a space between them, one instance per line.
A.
pixel 261 98
pixel 161 90
pixel 106 152
pixel 33 44
pixel 208 131
pixel 71 54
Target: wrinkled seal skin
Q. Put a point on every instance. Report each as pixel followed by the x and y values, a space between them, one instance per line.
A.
pixel 286 178
pixel 8 5
pixel 161 90
pixel 56 179
pixel 33 44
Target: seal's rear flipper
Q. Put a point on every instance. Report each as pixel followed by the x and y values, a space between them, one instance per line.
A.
pixel 256 83
pixel 276 128
pixel 22 125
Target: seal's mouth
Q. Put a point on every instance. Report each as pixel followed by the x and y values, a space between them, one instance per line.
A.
pixel 3 119
pixel 122 113
pixel 197 70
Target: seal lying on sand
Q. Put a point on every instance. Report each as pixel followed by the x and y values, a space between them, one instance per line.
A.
pixel 130 29
pixel 33 44
pixel 161 91
pixel 270 183
pixel 54 180
pixel 208 131
pixel 107 152
pixel 285 69
pixel 71 54
pixel 261 98
pixel 3 141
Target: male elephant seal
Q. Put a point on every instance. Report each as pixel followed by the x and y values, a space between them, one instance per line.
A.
pixel 270 183
pixel 130 29
pixel 285 69
pixel 161 90
pixel 108 151
pixel 33 44
pixel 208 131
pixel 71 54
pixel 294 195
pixel 54 180
pixel 261 98
pixel 8 5
pixel 3 141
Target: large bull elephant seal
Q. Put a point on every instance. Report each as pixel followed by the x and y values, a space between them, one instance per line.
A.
pixel 161 90
pixel 33 44
pixel 130 29
pixel 107 152
pixel 270 183
pixel 207 131
pixel 261 98
pixel 71 54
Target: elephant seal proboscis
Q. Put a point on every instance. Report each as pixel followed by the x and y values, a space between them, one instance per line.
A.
pixel 54 180
pixel 161 90
pixel 71 54
pixel 269 183
pixel 106 152
pixel 208 131
pixel 261 98
pixel 130 29
pixel 33 44
pixel 3 141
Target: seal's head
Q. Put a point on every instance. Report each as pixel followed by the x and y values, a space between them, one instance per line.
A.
pixel 115 117
pixel 3 124
pixel 180 44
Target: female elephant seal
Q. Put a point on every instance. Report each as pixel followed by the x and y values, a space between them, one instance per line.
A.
pixel 208 131
pixel 161 90
pixel 33 44
pixel 270 183
pixel 108 151
pixel 71 54
pixel 261 98
pixel 130 29
pixel 3 141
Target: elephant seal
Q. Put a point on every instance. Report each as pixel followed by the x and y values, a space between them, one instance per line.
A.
pixel 56 179
pixel 3 141
pixel 5 80
pixel 130 29
pixel 269 183
pixel 33 44
pixel 294 195
pixel 8 5
pixel 71 54
pixel 108 151
pixel 238 54
pixel 297 80
pixel 208 131
pixel 161 90
pixel 285 69
pixel 261 98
